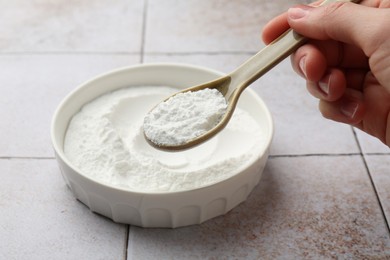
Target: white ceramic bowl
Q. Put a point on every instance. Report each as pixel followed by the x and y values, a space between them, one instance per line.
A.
pixel 160 209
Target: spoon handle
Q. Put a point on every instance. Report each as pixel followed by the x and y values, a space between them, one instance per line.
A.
pixel 269 56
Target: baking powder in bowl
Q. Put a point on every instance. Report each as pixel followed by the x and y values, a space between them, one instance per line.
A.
pixel 105 142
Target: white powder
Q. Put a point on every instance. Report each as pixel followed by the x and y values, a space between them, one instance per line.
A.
pixel 184 117
pixel 105 141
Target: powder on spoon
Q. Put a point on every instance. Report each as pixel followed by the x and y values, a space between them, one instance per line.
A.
pixel 184 117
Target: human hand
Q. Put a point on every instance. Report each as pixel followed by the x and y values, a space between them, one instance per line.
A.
pixel 347 61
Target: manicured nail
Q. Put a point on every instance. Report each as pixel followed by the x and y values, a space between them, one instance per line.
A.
pixel 302 65
pixel 296 13
pixel 324 84
pixel 349 109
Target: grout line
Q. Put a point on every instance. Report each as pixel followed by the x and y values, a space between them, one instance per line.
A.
pixel 202 53
pixel 371 180
pixel 69 53
pixel 327 154
pixel 377 154
pixel 314 154
pixel 142 52
pixel 125 253
pixel 143 36
pixel 26 158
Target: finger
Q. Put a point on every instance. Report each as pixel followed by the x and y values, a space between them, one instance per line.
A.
pixel 355 78
pixel 335 54
pixel 309 62
pixel 274 28
pixel 330 88
pixel 341 21
pixel 349 109
pixel 278 25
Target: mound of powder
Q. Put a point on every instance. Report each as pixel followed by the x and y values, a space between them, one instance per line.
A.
pixel 184 116
pixel 105 142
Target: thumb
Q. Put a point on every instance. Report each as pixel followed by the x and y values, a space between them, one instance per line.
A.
pixel 341 21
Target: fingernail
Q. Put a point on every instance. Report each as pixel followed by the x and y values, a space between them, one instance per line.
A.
pixel 324 84
pixel 349 109
pixel 296 13
pixel 302 65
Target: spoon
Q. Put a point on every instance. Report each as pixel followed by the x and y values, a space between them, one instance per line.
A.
pixel 233 84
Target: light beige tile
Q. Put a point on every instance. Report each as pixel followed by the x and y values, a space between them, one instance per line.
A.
pixel 40 219
pixel 71 26
pixel 303 208
pixel 224 63
pixel 380 171
pixel 32 86
pixel 208 26
pixel 371 144
pixel 299 126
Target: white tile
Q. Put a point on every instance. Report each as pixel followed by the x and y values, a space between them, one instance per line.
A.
pixel 299 126
pixel 31 88
pixel 71 26
pixel 371 144
pixel 208 26
pixel 380 171
pixel 303 208
pixel 40 219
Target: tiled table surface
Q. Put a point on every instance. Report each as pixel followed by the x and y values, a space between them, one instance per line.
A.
pixel 325 192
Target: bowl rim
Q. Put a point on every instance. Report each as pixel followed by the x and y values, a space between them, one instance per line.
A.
pixel 60 153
